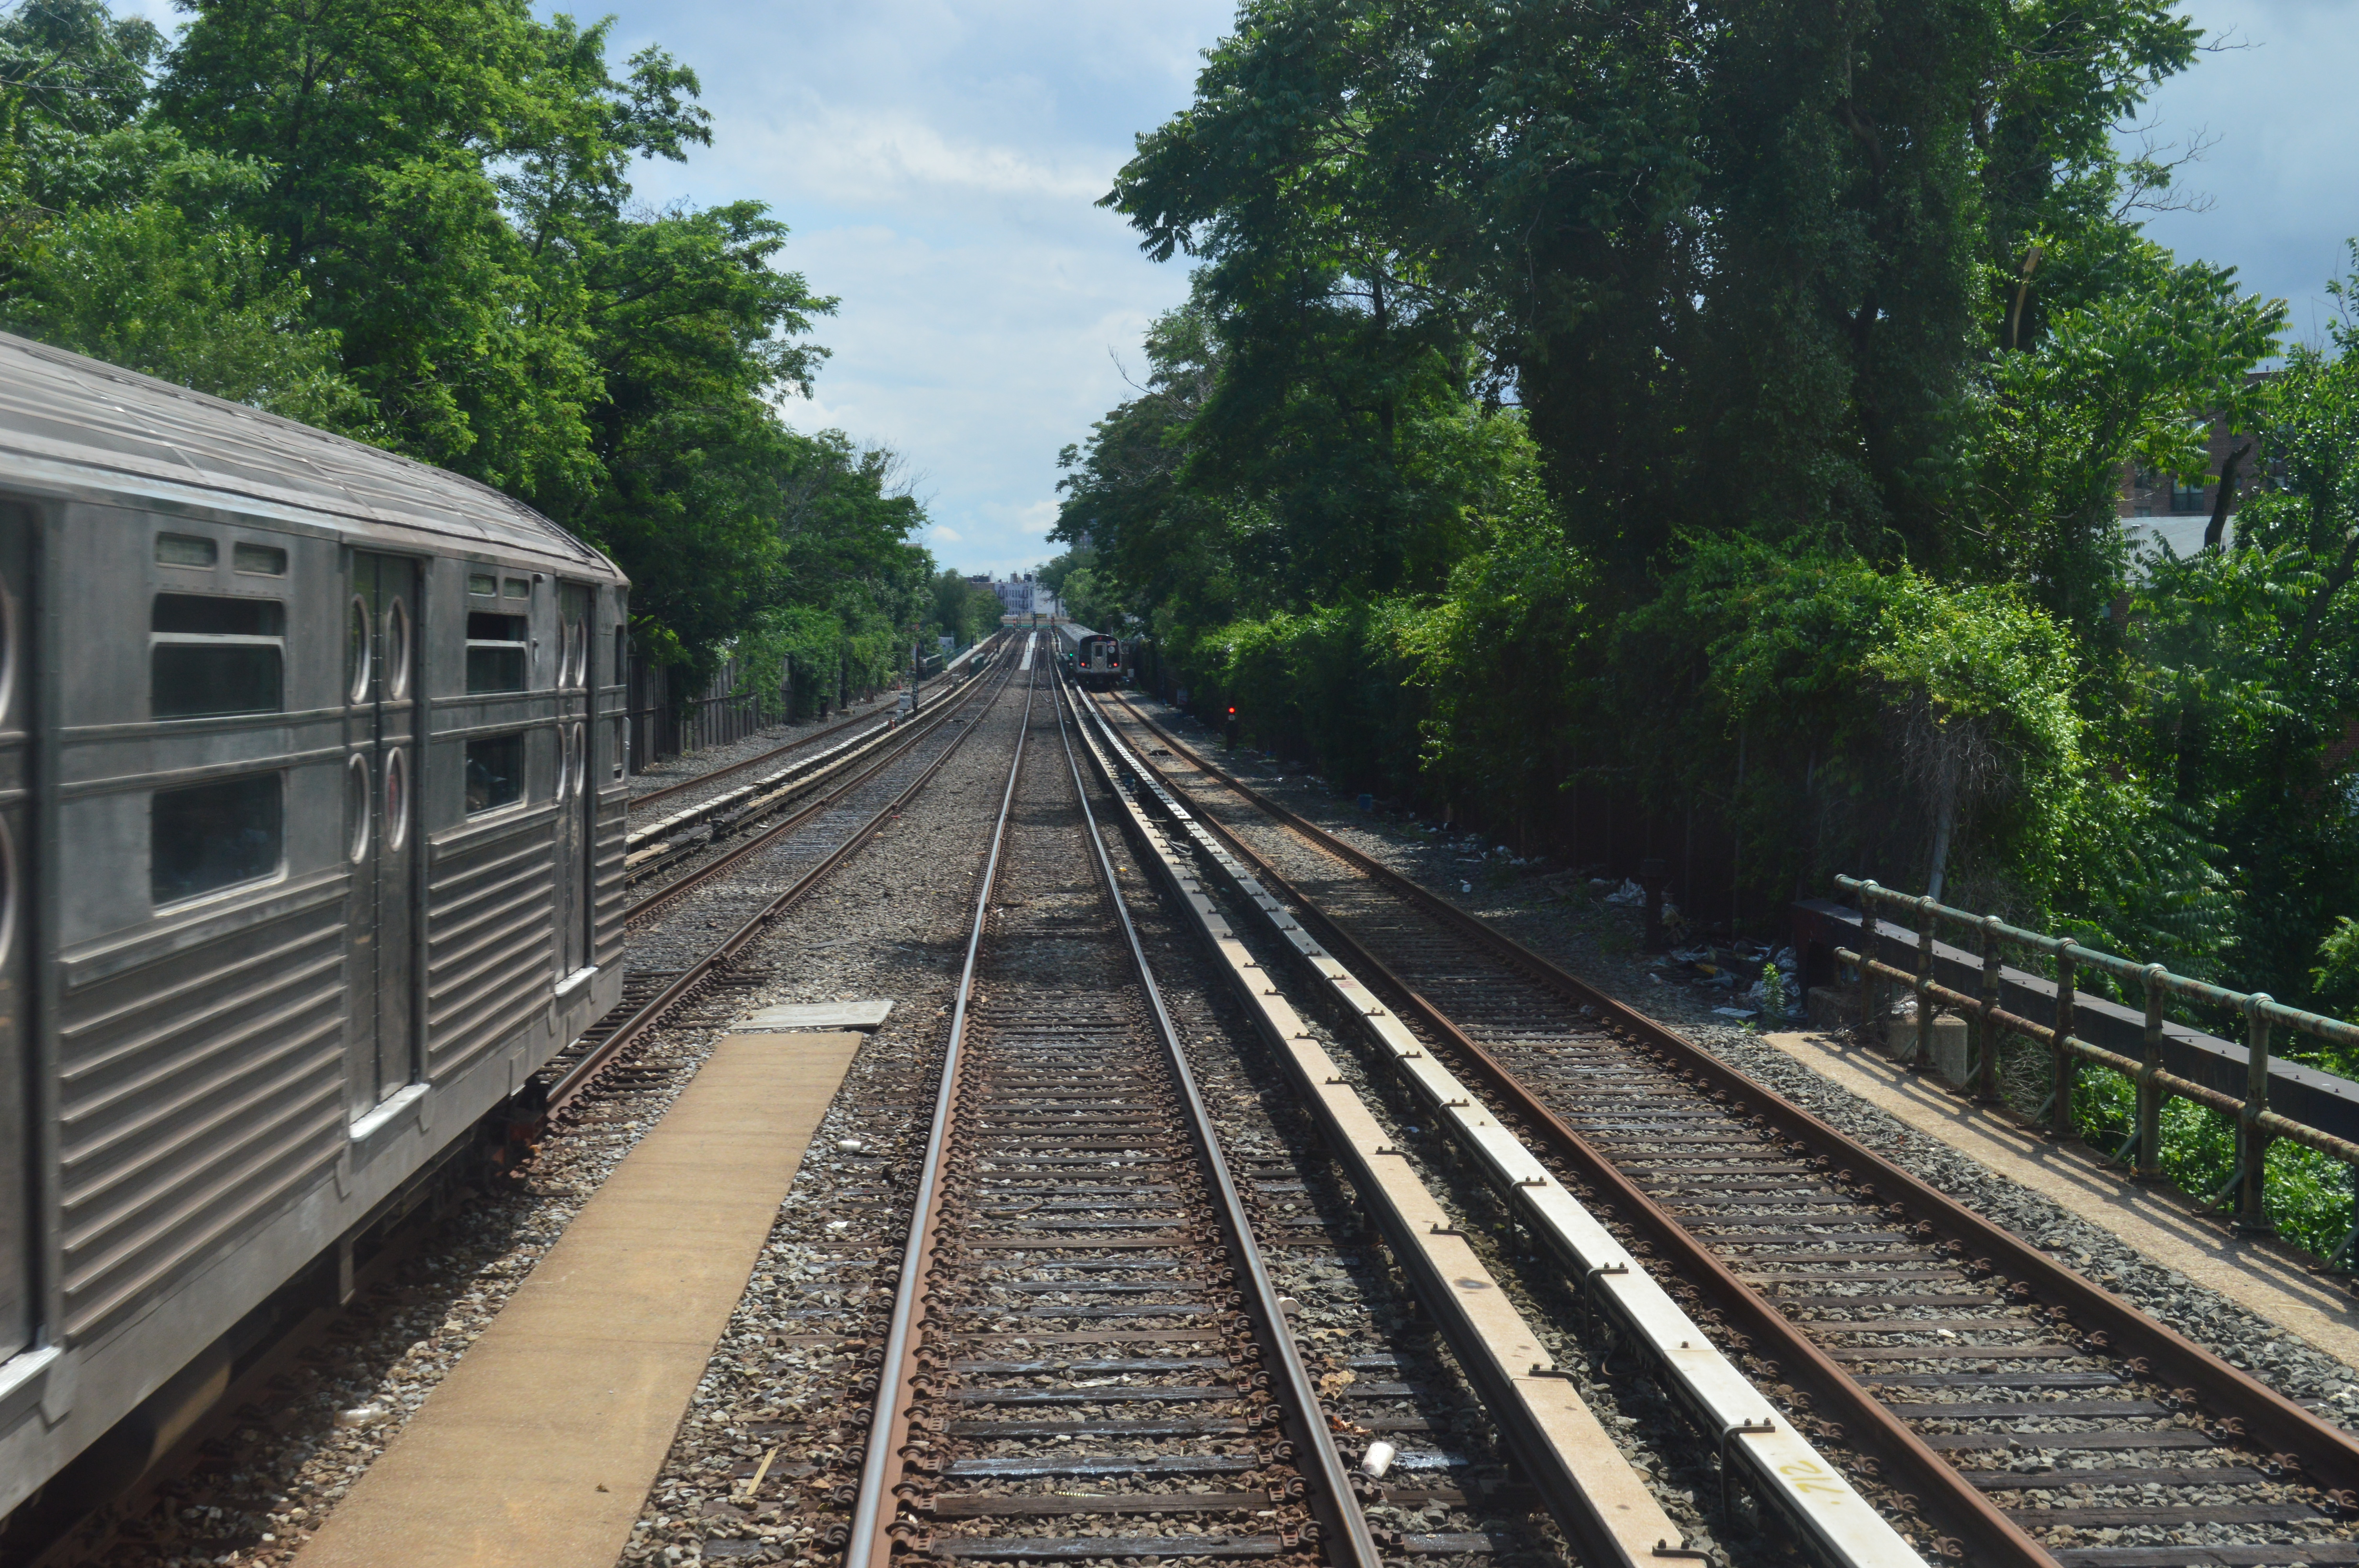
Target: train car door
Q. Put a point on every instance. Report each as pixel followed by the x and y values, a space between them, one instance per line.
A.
pixel 380 735
pixel 576 791
pixel 18 1146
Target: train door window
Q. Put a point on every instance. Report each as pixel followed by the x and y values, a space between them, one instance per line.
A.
pixel 495 651
pixel 622 742
pixel 211 655
pixel 573 602
pixel 206 837
pixel 396 652
pixel 357 651
pixel 495 772
pixel 396 800
pixel 356 807
pixel 517 588
pixel 622 655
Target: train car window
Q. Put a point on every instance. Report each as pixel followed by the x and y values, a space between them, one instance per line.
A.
pixel 210 655
pixel 622 743
pixel 211 836
pixel 260 560
pixel 496 652
pixel 495 772
pixel 483 582
pixel 186 551
pixel 519 589
pixel 622 655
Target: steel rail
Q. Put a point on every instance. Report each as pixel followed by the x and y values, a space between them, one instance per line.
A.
pixel 668 791
pixel 1786 1472
pixel 868 1545
pixel 650 1013
pixel 1277 1339
pixel 707 873
pixel 1589 1487
pixel 2270 1420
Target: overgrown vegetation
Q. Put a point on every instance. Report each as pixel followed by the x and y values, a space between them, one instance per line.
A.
pixel 415 226
pixel 1698 430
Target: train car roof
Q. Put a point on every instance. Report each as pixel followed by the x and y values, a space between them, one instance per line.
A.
pixel 73 424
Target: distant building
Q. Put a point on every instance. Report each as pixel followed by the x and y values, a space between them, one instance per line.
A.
pixel 1022 596
pixel 2159 506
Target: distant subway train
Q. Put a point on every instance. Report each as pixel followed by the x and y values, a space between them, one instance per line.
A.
pixel 1093 658
pixel 311 823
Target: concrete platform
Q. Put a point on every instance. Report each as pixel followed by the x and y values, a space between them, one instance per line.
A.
pixel 2272 1282
pixel 869 1014
pixel 539 1447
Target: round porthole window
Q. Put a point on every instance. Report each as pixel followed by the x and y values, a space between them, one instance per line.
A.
pixel 8 891
pixel 7 654
pixel 397 799
pixel 396 652
pixel 357 806
pixel 358 652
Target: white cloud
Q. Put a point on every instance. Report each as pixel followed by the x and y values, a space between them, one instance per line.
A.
pixel 884 160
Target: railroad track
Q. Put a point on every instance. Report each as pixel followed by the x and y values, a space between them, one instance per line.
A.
pixel 837 799
pixel 671 791
pixel 1087 1359
pixel 661 846
pixel 2029 1416
pixel 820 838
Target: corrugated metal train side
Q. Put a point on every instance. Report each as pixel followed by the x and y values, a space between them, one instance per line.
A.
pixel 312 816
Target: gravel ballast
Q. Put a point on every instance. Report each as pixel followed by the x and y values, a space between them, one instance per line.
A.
pixel 1600 944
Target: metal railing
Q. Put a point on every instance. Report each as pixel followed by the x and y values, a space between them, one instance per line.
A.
pixel 2256 1125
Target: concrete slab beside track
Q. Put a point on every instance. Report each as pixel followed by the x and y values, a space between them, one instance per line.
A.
pixel 2273 1286
pixel 540 1445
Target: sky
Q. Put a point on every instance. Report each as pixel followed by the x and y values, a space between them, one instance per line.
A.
pixel 938 164
pixel 2282 173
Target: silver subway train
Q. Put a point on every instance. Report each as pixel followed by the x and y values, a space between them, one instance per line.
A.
pixel 1093 658
pixel 312 822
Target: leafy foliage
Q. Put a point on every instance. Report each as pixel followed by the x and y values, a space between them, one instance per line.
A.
pixel 415 226
pixel 1721 413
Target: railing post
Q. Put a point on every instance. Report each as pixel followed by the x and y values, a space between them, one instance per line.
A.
pixel 2061 1062
pixel 2252 1143
pixel 1986 1029
pixel 2146 1163
pixel 1869 985
pixel 1924 979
